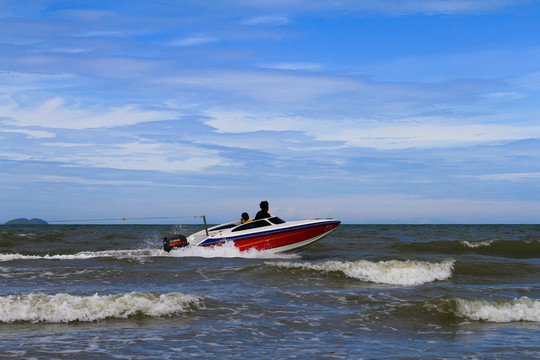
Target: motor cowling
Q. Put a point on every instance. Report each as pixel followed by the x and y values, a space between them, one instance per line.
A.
pixel 174 241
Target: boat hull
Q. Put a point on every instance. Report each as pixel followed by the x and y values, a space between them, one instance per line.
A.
pixel 278 240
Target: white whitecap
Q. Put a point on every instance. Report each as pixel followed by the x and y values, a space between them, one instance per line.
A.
pixel 392 272
pixel 227 250
pixel 65 308
pixel 522 309
pixel 477 244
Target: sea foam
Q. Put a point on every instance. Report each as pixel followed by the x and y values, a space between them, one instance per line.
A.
pixel 392 272
pixel 501 311
pixel 477 244
pixel 65 308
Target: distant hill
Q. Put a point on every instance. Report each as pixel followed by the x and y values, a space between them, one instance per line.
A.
pixel 25 221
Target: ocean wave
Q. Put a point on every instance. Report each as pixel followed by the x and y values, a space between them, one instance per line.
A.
pixel 499 311
pixel 65 308
pixel 517 249
pixel 495 311
pixel 392 272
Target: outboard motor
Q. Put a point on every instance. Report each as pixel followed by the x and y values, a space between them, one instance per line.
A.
pixel 174 241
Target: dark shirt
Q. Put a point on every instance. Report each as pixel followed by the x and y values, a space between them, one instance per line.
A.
pixel 262 215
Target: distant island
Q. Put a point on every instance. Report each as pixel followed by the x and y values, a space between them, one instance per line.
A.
pixel 25 221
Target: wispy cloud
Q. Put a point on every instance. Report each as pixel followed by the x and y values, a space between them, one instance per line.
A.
pixel 158 156
pixel 267 20
pixel 56 113
pixel 34 134
pixel 195 40
pixel 117 182
pixel 151 157
pixel 101 33
pixel 414 132
pixel 430 135
pixel 265 86
pixel 294 66
pixel 438 6
pixel 506 177
pixel 393 7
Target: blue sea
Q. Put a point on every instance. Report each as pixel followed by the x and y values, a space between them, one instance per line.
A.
pixel 363 292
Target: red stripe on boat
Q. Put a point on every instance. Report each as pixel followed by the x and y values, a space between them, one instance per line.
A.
pixel 270 241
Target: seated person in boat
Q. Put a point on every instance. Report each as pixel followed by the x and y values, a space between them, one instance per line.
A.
pixel 263 213
pixel 245 218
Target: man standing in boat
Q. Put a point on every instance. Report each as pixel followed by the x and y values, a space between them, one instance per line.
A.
pixel 263 213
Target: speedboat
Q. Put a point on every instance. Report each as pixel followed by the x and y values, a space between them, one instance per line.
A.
pixel 270 235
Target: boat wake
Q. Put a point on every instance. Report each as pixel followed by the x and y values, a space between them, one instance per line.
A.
pixel 65 308
pixel 227 250
pixel 117 254
pixel 394 272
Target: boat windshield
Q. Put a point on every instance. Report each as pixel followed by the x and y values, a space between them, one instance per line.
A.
pixel 223 227
pixel 252 225
pixel 275 220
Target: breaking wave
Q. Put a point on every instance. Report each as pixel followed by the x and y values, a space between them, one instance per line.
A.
pixel 392 272
pixel 495 311
pixel 65 308
pixel 522 309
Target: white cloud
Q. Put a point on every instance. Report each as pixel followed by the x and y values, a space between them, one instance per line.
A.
pixel 17 82
pixel 55 113
pixel 505 177
pixel 408 133
pixel 169 182
pixel 15 156
pixel 119 34
pixel 267 86
pixel 152 157
pixel 171 158
pixel 164 157
pixel 441 6
pixel 427 135
pixel 195 40
pixel 385 6
pixel 267 20
pixel 237 122
pixel 34 134
pixel 295 66
pixel 505 95
pixel 72 145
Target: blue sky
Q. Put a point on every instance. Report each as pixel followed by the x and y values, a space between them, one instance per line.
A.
pixel 367 111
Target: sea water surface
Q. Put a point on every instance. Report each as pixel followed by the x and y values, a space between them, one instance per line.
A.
pixel 363 292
